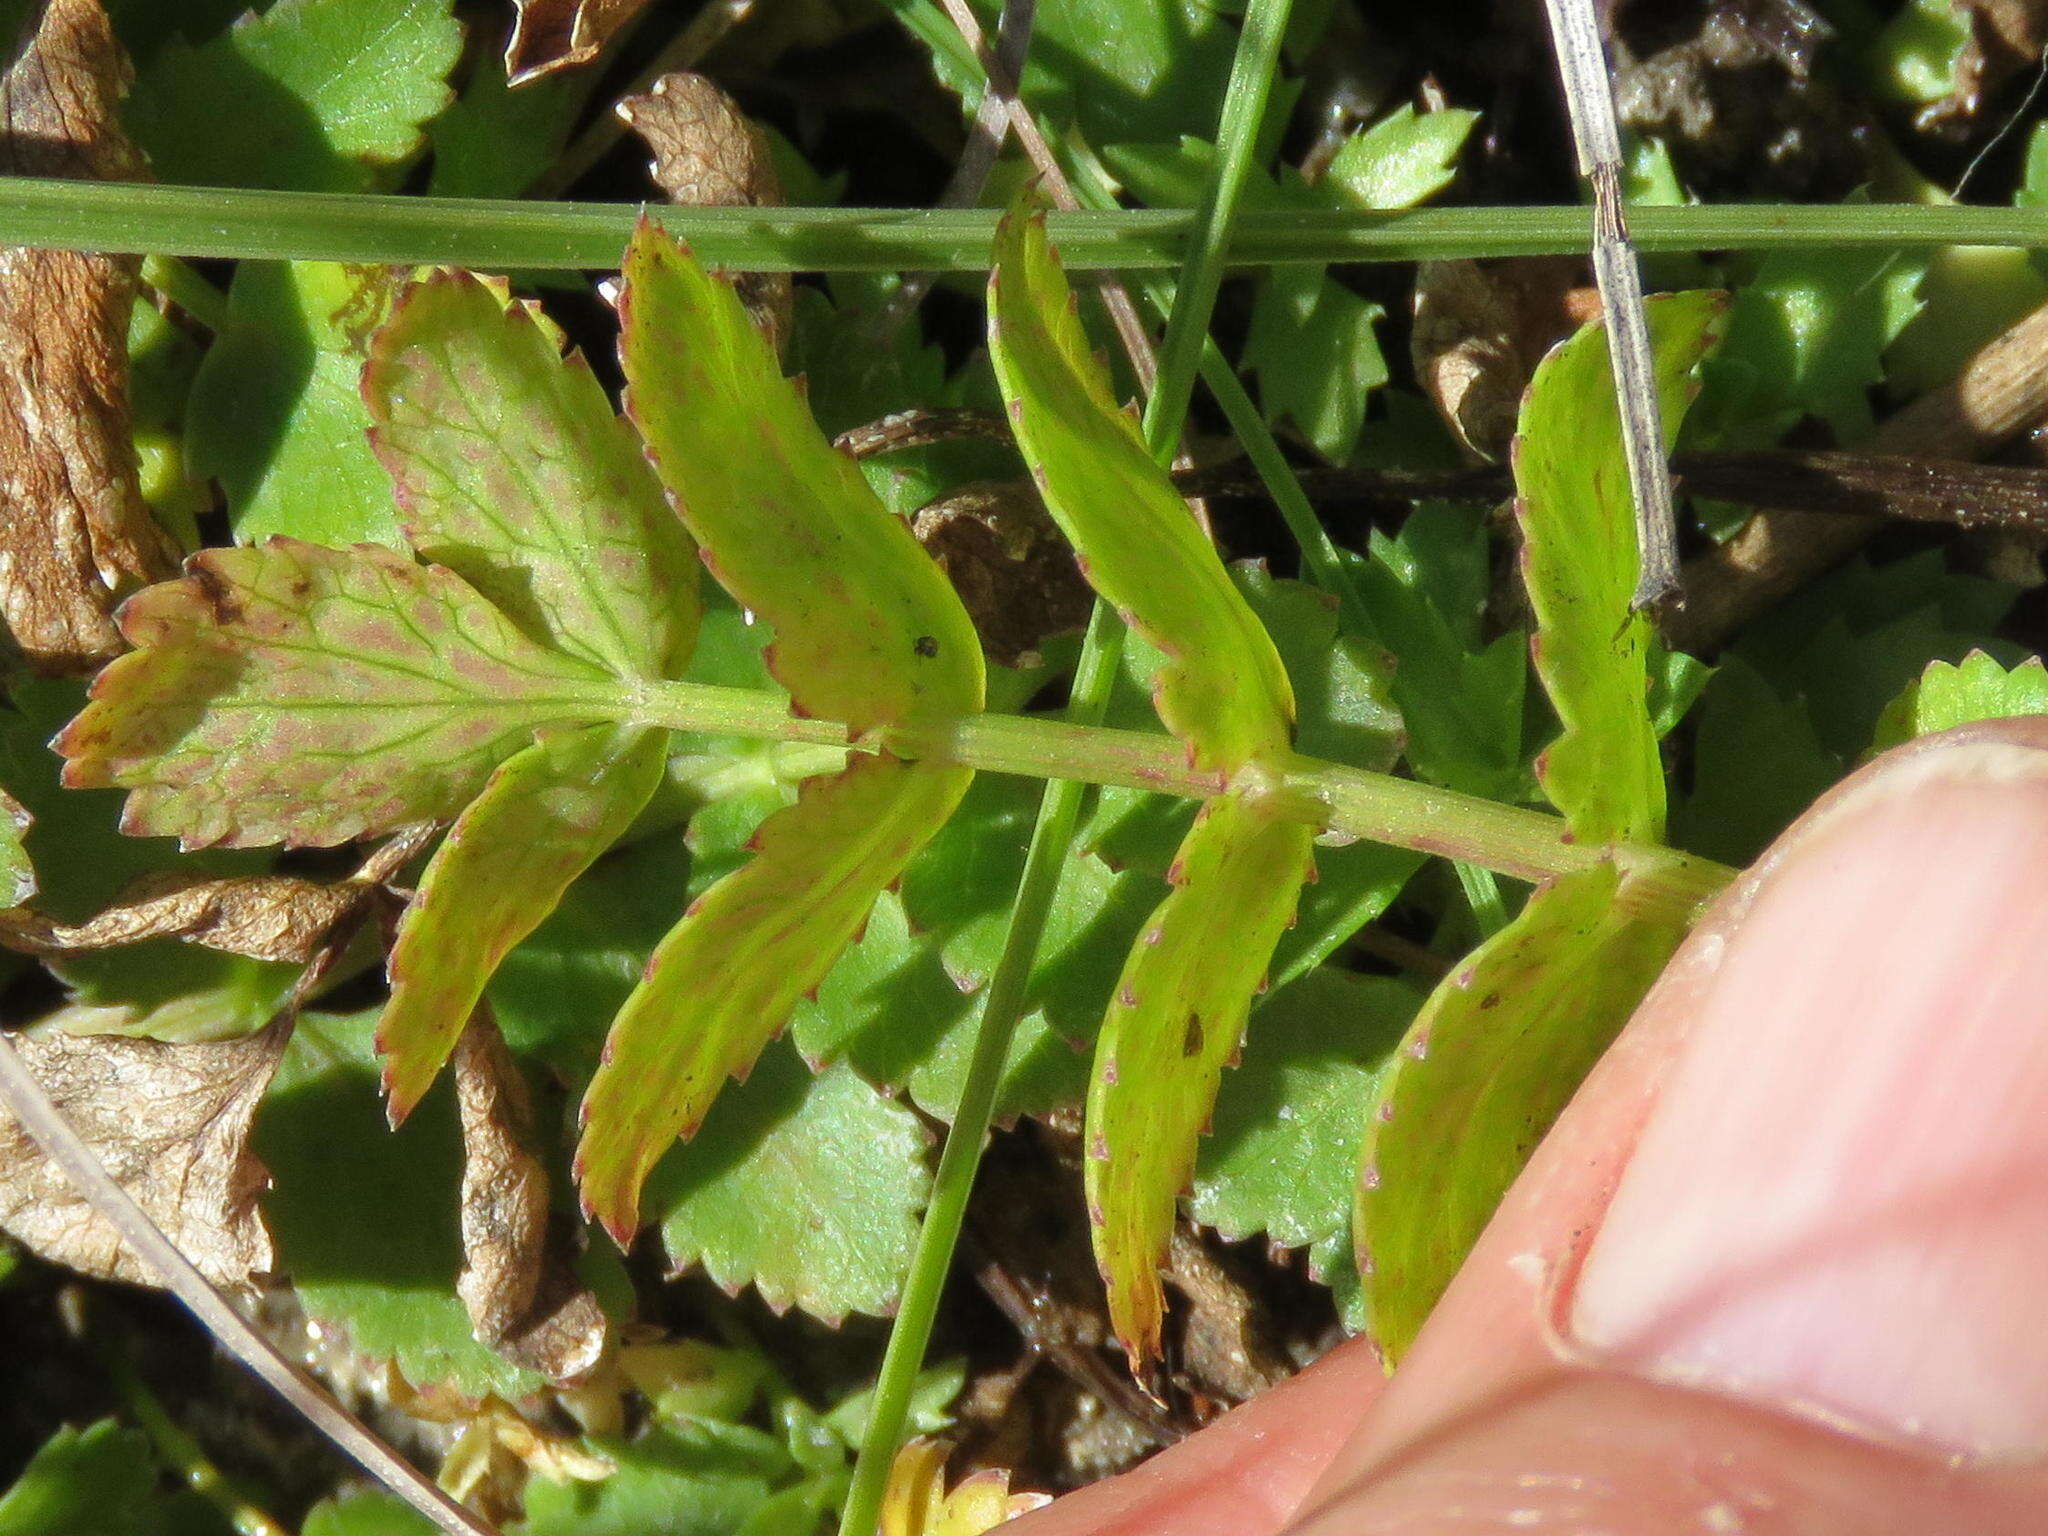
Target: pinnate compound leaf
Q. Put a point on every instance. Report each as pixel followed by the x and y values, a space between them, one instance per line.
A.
pixel 99 1481
pixel 1580 562
pixel 867 630
pixel 729 974
pixel 544 817
pixel 805 1187
pixel 1222 688
pixel 1496 1052
pixel 289 693
pixel 514 472
pixel 1976 688
pixel 1176 1018
pixel 315 95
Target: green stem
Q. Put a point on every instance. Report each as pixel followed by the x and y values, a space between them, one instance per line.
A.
pixel 499 234
pixel 1342 801
pixel 1252 71
pixel 1194 297
pixel 1059 812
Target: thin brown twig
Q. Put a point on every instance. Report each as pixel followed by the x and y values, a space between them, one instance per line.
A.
pixel 1835 485
pixel 2000 392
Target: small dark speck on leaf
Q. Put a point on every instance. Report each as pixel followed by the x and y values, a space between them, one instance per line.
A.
pixel 925 646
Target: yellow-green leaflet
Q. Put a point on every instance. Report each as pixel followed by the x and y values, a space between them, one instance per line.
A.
pixel 867 630
pixel 513 471
pixel 1580 563
pixel 1221 689
pixel 1175 1020
pixel 291 694
pixel 1946 695
pixel 544 817
pixel 724 981
pixel 1495 1053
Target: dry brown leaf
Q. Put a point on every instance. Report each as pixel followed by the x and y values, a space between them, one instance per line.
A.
pixel 1010 564
pixel 561 34
pixel 171 1124
pixel 709 154
pixel 75 533
pixel 517 1279
pixel 1481 327
pixel 266 917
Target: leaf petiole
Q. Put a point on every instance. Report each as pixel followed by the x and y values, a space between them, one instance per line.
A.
pixel 1341 801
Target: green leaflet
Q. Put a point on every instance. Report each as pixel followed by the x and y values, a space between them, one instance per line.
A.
pixel 866 628
pixel 1491 1059
pixel 1798 697
pixel 1400 160
pixel 727 977
pixel 1579 561
pixel 294 694
pixel 316 95
pixel 1977 688
pixel 1176 1018
pixel 805 1187
pixel 1222 688
pixel 1461 696
pixel 1311 338
pixel 867 631
pixel 275 414
pixel 1282 1156
pixel 99 1481
pixel 544 817
pixel 513 471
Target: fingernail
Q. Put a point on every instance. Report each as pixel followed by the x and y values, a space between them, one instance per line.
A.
pixel 1839 1203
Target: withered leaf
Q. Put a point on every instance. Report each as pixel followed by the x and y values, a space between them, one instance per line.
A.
pixel 171 1124
pixel 265 917
pixel 75 533
pixel 1481 327
pixel 561 34
pixel 710 154
pixel 517 1278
